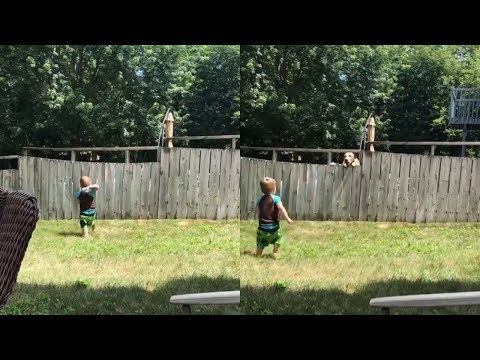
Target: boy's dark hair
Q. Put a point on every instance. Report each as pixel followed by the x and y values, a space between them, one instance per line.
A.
pixel 268 185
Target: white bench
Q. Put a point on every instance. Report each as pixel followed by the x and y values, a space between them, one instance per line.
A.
pixel 426 300
pixel 211 298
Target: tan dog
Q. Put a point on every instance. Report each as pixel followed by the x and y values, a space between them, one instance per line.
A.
pixel 349 159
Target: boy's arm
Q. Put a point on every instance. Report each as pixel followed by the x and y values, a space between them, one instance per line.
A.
pixel 91 189
pixel 283 211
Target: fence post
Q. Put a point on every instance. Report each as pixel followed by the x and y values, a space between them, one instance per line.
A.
pixel 234 142
pixel 274 156
pixel 127 156
pixel 464 138
pixel 24 152
pixel 169 129
pixel 432 150
pixel 329 158
pixel 72 155
pixel 371 133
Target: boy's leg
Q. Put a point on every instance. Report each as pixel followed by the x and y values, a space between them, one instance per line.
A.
pixel 83 225
pixel 278 241
pixel 262 242
pixel 93 223
pixel 276 247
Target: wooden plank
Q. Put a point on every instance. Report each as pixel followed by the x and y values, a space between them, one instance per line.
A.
pixel 94 175
pixel 384 179
pixel 135 190
pixel 203 183
pixel 453 189
pixel 319 191
pixel 328 192
pixel 277 175
pixel 293 191
pixel 286 170
pixel 144 190
pixel 234 187
pixel 61 196
pixel 213 183
pixel 117 191
pixel 35 175
pixel 153 196
pixel 107 202
pixel 346 194
pixel 22 173
pixel 5 179
pixel 29 168
pixel 364 186
pixel 442 199
pixel 413 188
pixel 301 192
pixel 52 189
pixel 261 169
pixel 420 216
pixel 43 186
pixel 172 196
pixel 432 191
pixel 244 188
pixel 403 187
pixel 193 184
pixel 102 193
pixel 254 189
pixel 69 199
pixel 183 183
pixel 310 194
pixel 353 206
pixel 374 186
pixel 76 188
pixel 337 189
pixel 127 191
pixel 464 191
pixel 226 159
pixel 474 198
pixel 163 188
pixel 260 174
pixel 391 198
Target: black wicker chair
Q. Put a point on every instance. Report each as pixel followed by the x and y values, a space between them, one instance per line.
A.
pixel 18 218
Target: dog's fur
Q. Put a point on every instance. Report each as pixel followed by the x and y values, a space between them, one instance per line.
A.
pixel 349 159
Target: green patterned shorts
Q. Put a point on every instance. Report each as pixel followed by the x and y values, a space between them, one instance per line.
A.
pixel 268 238
pixel 87 220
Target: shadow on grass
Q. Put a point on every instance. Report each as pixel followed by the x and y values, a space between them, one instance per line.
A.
pixel 82 299
pixel 70 233
pixel 280 300
pixel 252 253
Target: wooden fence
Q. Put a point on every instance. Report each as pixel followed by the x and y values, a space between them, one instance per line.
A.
pixel 387 187
pixel 185 184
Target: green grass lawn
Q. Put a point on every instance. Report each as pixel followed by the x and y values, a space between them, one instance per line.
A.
pixel 337 267
pixel 128 267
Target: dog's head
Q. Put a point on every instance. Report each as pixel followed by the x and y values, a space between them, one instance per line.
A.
pixel 349 159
